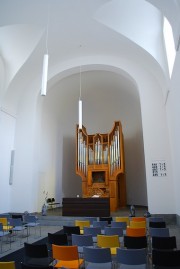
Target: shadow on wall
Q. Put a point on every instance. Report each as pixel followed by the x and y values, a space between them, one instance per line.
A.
pixel 71 183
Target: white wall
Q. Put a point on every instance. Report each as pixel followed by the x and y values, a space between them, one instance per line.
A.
pixel 173 112
pixel 156 146
pixel 7 131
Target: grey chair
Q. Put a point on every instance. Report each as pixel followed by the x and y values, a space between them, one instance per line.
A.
pixel 81 241
pixel 18 228
pixel 97 258
pixel 102 224
pixel 115 231
pixel 160 232
pixel 31 221
pixel 94 231
pixel 4 235
pixel 130 258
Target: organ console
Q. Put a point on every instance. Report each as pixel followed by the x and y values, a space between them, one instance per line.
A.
pixel 100 164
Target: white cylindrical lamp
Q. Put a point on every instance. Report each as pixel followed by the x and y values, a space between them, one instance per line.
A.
pixel 44 75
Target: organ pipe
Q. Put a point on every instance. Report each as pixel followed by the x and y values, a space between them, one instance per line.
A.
pixel 99 151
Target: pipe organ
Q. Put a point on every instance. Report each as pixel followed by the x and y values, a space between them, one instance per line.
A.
pixel 100 164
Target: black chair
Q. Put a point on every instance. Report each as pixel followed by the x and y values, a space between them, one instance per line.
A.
pixel 36 255
pixel 69 230
pixel 25 266
pixel 135 242
pixel 166 258
pixel 108 219
pixel 57 239
pixel 164 242
pixel 159 224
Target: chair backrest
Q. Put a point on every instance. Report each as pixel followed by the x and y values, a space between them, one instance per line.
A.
pixel 35 250
pixel 82 240
pixel 4 221
pixel 15 222
pixel 157 224
pixel 122 219
pixel 7 265
pixel 141 231
pixel 138 219
pixel 108 241
pixel 160 232
pixel 94 231
pixel 108 219
pixel 156 219
pixel 30 218
pixel 1 227
pixel 97 255
pixel 91 219
pixel 135 242
pixel 121 224
pixel 137 224
pixel 101 224
pixel 164 242
pixel 57 239
pixel 69 230
pixel 166 258
pixel 131 256
pixel 82 224
pixel 113 231
pixel 65 253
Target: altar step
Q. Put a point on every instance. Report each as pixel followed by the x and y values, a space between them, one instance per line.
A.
pixel 57 220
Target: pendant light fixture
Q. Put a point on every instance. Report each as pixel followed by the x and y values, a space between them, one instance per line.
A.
pixel 80 102
pixel 45 63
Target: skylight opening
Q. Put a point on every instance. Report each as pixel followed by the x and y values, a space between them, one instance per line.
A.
pixel 169 45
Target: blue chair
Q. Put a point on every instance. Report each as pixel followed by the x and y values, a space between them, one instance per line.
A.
pixel 18 227
pixel 102 224
pixel 31 221
pixel 81 241
pixel 114 231
pixel 121 224
pixel 160 232
pixel 130 258
pixel 93 257
pixel 94 231
pixel 4 234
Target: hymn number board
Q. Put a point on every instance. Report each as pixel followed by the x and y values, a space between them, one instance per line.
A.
pixel 159 168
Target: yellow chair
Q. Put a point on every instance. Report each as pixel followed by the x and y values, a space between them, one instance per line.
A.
pixel 82 224
pixel 66 256
pixel 122 219
pixel 108 241
pixel 7 265
pixel 137 224
pixel 6 226
pixel 136 231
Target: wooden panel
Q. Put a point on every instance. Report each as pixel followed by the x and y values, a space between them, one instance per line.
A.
pixel 87 207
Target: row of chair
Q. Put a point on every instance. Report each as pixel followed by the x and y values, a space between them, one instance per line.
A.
pixel 17 228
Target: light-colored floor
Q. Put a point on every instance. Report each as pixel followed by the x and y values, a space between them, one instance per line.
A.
pixel 54 221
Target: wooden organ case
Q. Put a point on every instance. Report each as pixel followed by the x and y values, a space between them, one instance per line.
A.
pixel 100 163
